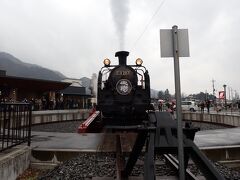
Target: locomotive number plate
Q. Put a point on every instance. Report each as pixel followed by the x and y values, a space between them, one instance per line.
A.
pixel 120 73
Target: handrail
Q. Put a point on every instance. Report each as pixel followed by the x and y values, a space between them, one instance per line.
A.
pixel 15 124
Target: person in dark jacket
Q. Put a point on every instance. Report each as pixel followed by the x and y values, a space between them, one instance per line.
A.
pixel 208 105
pixel 202 107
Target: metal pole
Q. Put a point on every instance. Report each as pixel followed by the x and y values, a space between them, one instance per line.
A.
pixel 229 93
pixel 178 103
pixel 213 87
pixel 29 123
pixel 214 97
pixel 225 96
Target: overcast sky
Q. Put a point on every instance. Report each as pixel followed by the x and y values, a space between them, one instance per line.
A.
pixel 74 36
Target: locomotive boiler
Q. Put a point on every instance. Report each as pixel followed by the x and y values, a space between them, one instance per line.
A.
pixel 123 92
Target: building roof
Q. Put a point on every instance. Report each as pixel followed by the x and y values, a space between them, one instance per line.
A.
pixel 78 91
pixel 38 85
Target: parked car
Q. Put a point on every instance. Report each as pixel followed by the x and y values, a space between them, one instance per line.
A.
pixel 189 106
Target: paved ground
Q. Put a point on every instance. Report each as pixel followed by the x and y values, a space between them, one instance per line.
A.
pixel 83 142
pixel 218 137
pixel 70 141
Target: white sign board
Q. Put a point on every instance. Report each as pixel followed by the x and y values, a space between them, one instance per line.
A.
pixel 166 43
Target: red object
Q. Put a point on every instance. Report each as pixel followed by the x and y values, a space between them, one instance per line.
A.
pixel 85 125
pixel 221 94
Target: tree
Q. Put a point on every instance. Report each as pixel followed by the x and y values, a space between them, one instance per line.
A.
pixel 167 95
pixel 160 95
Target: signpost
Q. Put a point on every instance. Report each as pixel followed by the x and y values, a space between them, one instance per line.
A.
pixel 174 43
pixel 166 43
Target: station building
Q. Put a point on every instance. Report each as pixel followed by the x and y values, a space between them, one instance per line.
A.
pixel 44 94
pixel 78 94
pixel 83 89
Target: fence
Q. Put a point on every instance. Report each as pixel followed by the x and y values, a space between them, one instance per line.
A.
pixel 15 124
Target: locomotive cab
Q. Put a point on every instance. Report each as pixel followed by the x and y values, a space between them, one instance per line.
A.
pixel 123 91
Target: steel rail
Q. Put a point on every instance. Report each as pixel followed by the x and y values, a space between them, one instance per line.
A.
pixel 174 163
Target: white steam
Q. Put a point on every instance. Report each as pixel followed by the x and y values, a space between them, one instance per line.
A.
pixel 120 11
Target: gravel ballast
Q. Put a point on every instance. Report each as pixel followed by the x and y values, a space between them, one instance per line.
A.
pixel 89 165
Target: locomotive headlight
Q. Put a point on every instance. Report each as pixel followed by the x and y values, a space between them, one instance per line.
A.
pixel 107 62
pixel 139 61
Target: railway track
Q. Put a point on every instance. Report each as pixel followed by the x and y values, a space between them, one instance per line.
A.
pixel 116 143
pixel 171 160
pixel 103 163
pixel 155 138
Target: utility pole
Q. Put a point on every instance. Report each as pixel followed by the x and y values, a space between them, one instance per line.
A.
pixel 213 87
pixel 214 97
pixel 229 93
pixel 225 95
pixel 236 94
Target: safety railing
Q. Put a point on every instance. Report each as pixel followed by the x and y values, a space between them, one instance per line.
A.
pixel 15 124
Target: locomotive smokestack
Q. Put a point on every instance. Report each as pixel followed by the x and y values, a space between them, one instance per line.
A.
pixel 122 57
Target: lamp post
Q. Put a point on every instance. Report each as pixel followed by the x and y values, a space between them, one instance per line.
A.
pixel 225 98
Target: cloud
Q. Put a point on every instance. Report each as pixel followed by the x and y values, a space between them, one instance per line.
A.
pixel 74 37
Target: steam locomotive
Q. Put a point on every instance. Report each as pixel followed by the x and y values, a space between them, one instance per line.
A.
pixel 123 92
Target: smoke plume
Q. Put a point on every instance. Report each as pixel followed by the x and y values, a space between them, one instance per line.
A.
pixel 120 11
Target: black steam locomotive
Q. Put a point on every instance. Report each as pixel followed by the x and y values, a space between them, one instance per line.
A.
pixel 123 92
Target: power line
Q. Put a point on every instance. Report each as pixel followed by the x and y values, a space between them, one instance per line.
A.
pixel 145 29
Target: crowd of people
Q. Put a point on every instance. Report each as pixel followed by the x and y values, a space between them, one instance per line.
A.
pixel 202 105
pixel 168 106
pixel 50 104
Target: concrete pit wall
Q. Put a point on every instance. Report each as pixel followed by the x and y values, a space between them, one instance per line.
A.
pixel 59 115
pixel 14 162
pixel 231 120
